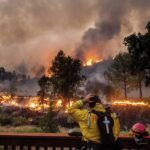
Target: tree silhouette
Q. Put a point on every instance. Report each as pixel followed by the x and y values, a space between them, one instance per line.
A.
pixel 139 48
pixel 146 55
pixel 65 75
pixel 44 92
pixel 119 73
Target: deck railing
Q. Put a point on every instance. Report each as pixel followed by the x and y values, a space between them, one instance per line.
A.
pixel 40 141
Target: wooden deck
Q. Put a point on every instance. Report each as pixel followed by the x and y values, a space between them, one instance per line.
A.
pixel 49 141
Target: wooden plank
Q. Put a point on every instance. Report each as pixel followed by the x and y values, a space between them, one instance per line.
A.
pixel 29 147
pixel 13 147
pixel 5 147
pixel 21 147
pixel 37 147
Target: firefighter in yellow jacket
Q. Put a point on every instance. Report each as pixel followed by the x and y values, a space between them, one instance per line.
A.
pixel 88 121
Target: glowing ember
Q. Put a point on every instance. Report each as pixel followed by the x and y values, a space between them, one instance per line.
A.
pixel 69 104
pixel 13 102
pixel 59 103
pixel 32 105
pixel 89 62
pixel 35 103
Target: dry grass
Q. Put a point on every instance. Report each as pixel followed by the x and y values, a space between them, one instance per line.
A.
pixel 21 129
pixel 27 129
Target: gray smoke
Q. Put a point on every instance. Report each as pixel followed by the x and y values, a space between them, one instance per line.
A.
pixel 116 19
pixel 24 20
pixel 33 31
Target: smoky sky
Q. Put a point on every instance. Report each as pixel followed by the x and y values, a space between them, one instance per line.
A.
pixel 33 31
pixel 116 19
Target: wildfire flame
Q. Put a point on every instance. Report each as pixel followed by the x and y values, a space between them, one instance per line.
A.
pixel 69 104
pixel 91 61
pixel 35 103
pixel 131 103
pixel 59 103
pixel 29 102
pixel 32 105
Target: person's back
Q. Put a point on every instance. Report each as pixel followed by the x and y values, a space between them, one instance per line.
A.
pixel 111 140
pixel 88 121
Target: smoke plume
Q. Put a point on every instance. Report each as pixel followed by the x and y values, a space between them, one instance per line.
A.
pixel 116 19
pixel 33 31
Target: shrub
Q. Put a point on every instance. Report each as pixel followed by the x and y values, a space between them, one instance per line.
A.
pixel 17 121
pixel 5 120
pixel 48 122
pixel 27 129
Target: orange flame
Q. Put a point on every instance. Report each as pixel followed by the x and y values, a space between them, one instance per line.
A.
pixel 91 57
pixel 91 62
pixel 34 103
pixel 132 103
pixel 59 103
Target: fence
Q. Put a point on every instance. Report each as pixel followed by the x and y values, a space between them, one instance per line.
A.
pixel 42 141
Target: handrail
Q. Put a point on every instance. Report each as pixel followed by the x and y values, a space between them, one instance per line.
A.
pixel 54 140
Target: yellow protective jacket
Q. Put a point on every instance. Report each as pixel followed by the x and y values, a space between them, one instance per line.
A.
pixel 89 126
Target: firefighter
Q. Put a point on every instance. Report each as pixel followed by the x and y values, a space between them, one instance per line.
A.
pixel 88 121
pixel 138 131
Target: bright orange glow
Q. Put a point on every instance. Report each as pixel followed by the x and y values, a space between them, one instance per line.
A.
pixel 59 103
pixel 91 57
pixel 13 102
pixel 32 105
pixel 91 61
pixel 47 74
pixel 38 104
pixel 132 103
pixel 6 97
pixel 69 104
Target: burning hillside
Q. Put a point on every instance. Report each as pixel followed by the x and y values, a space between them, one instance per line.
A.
pixel 30 110
pixel 130 103
pixel 38 104
pixel 33 103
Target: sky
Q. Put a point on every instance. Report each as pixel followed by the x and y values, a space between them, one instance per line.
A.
pixel 33 31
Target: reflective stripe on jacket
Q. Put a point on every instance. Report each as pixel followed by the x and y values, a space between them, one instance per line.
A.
pixel 89 126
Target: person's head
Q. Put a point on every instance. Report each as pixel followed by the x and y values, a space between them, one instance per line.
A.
pixel 138 129
pixel 93 99
pixel 108 108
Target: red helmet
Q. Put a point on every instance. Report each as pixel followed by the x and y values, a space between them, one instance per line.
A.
pixel 138 128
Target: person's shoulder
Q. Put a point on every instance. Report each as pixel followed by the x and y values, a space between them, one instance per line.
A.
pixel 114 115
pixel 99 107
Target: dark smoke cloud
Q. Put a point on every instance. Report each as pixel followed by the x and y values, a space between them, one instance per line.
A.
pixel 22 20
pixel 116 20
pixel 32 31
